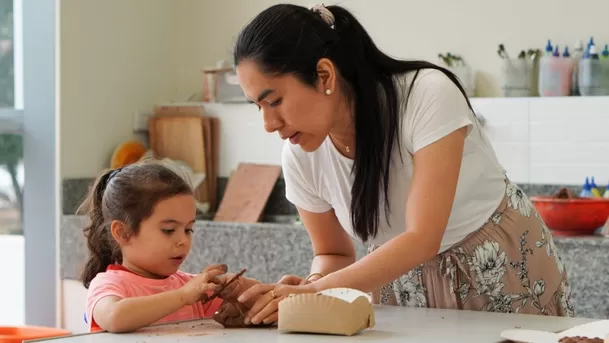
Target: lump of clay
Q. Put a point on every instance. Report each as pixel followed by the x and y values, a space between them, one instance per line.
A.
pixel 580 339
pixel 231 315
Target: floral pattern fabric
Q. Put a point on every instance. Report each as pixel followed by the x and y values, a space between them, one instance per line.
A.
pixel 509 265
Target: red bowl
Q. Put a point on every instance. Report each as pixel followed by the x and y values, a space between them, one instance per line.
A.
pixel 572 217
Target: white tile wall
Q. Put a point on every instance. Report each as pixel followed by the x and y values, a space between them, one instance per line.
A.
pixel 538 140
pixel 506 122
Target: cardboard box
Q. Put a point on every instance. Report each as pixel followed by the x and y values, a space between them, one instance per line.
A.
pixel 338 311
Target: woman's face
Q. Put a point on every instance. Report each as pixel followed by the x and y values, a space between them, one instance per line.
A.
pixel 296 111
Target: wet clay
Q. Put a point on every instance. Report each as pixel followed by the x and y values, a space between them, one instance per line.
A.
pixel 580 339
pixel 231 315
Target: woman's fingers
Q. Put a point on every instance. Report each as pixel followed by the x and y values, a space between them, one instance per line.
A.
pixel 290 280
pixel 255 291
pixel 265 313
pixel 273 318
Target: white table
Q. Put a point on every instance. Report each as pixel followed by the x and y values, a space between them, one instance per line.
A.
pixel 393 324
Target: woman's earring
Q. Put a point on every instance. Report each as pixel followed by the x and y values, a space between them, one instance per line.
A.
pixel 328 91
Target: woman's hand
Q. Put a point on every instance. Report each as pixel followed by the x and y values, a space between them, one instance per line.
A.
pixel 267 298
pixel 292 280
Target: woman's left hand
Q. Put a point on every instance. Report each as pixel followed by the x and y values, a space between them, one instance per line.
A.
pixel 268 296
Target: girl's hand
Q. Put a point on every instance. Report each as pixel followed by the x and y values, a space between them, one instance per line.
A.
pixel 196 289
pixel 236 288
pixel 267 298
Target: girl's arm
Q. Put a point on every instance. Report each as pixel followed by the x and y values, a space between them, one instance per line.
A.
pixel 116 314
pixel 434 184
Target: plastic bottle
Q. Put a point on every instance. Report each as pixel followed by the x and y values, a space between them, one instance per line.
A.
pixel 606 194
pixel 578 52
pixel 592 54
pixel 586 190
pixel 605 53
pixel 594 189
pixel 549 49
pixel 566 52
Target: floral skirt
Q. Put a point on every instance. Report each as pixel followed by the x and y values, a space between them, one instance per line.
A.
pixel 509 265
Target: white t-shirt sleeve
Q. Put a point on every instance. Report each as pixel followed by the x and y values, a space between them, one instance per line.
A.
pixel 436 107
pixel 299 186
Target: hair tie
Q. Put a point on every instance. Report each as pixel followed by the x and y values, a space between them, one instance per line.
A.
pixel 113 173
pixel 324 13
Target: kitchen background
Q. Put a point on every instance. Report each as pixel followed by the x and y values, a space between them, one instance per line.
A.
pixel 120 59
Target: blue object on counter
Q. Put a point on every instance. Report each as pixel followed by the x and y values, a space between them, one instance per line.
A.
pixel 556 51
pixel 549 48
pixel 566 52
pixel 586 190
pixel 85 317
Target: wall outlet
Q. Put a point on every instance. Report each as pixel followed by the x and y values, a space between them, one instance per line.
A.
pixel 140 121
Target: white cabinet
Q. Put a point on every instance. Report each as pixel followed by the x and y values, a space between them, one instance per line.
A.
pixel 73 306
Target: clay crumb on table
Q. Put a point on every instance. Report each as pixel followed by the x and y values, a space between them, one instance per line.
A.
pixel 581 339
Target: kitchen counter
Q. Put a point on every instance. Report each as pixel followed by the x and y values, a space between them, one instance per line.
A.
pixel 270 251
pixel 393 324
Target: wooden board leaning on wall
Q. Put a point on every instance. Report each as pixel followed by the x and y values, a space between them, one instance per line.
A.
pixel 187 134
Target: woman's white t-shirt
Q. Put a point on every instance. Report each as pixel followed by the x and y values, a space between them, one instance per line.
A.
pixel 321 180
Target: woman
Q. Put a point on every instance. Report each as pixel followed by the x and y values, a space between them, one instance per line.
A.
pixel 390 152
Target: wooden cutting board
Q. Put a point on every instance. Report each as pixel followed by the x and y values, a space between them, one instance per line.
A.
pixel 247 193
pixel 181 137
pixel 211 132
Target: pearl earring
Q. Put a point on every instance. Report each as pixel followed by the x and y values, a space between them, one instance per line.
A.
pixel 328 91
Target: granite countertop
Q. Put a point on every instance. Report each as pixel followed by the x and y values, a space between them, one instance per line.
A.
pixel 265 248
pixel 272 250
pixel 393 324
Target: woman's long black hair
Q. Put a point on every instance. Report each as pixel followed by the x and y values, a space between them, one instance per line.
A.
pixel 292 39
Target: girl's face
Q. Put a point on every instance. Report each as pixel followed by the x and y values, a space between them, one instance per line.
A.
pixel 164 239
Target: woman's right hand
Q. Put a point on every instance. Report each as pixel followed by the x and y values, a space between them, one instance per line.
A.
pixel 292 280
pixel 197 288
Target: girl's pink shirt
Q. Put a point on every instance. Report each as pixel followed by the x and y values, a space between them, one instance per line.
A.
pixel 120 282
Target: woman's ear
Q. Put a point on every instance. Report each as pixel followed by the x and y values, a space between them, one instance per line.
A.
pixel 119 232
pixel 327 74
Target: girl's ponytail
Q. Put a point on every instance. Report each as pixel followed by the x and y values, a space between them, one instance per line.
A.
pixel 103 251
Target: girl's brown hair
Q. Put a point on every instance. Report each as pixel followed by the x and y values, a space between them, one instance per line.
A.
pixel 129 195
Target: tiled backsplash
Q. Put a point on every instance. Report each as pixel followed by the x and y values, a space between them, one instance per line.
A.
pixel 549 140
pixel 554 141
pixel 543 143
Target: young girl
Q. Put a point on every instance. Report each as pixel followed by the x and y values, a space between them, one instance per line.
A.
pixel 140 233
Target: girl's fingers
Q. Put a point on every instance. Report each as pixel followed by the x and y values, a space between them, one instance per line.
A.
pixel 222 267
pixel 212 275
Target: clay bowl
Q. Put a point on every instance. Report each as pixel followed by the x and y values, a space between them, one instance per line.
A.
pixel 572 217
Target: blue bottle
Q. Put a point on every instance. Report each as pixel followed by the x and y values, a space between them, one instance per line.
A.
pixel 586 190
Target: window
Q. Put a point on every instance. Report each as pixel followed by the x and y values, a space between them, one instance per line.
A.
pixel 29 184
